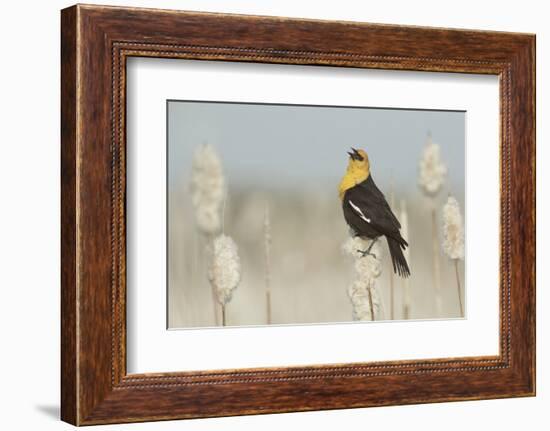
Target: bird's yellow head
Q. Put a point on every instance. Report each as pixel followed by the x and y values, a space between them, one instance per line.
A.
pixel 358 171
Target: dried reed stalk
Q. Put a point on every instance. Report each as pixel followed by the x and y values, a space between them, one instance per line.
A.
pixel 431 176
pixel 267 261
pixel 436 269
pixel 404 220
pixel 224 319
pixel 213 294
pixel 459 290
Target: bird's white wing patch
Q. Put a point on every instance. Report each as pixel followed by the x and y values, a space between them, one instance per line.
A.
pixel 359 212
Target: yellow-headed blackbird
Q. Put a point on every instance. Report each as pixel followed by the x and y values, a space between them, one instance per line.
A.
pixel 367 212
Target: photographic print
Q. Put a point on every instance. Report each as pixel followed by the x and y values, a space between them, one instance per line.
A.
pixel 302 214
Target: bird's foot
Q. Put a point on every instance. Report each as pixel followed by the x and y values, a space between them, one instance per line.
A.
pixel 366 253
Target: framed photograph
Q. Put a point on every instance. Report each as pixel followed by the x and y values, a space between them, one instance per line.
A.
pixel 265 214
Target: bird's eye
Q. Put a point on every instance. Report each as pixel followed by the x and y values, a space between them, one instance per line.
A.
pixel 357 155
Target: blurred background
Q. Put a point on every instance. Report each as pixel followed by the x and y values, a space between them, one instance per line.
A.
pixel 288 160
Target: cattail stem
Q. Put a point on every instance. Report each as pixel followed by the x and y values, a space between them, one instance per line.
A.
pixel 431 176
pixel 223 315
pixel 267 257
pixel 392 300
pixel 392 281
pixel 436 268
pixel 215 306
pixel 371 305
pixel 268 305
pixel 407 299
pixel 404 219
pixel 210 239
pixel 459 290
pixel 406 312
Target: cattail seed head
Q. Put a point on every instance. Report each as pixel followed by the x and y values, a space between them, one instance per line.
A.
pixel 224 272
pixel 453 230
pixel 432 170
pixel 363 294
pixel 207 189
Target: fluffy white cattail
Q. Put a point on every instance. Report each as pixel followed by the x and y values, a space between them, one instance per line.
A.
pixel 453 239
pixel 453 230
pixel 432 170
pixel 207 189
pixel 363 294
pixel 224 271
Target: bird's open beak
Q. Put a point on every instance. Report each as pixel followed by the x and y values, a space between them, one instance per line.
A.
pixel 355 154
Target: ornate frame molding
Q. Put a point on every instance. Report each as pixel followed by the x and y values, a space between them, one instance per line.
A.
pixel 96 41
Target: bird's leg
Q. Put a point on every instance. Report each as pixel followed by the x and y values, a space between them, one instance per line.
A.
pixel 367 251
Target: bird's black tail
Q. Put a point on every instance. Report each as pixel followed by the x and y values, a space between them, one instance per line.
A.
pixel 400 265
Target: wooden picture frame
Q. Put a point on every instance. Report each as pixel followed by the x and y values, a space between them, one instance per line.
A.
pixel 95 43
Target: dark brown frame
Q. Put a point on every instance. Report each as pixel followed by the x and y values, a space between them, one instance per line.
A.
pixel 95 43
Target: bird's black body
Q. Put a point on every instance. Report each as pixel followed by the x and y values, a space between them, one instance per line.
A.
pixel 369 216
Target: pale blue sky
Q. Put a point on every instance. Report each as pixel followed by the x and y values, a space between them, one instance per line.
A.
pixel 285 145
